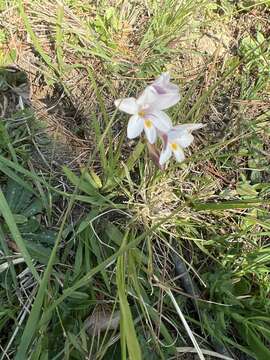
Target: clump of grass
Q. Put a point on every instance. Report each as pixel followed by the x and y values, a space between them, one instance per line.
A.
pixel 112 258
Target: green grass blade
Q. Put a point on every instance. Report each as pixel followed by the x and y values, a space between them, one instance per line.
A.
pixel 86 278
pixel 229 205
pixel 7 254
pixel 10 221
pixel 128 333
pixel 34 38
pixel 15 177
pixel 256 345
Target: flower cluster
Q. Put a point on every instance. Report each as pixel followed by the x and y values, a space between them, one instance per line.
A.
pixel 147 115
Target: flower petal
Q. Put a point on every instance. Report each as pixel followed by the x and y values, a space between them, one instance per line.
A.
pixel 185 139
pixel 163 137
pixel 182 134
pixel 128 105
pixel 165 101
pixel 165 155
pixel 160 84
pixel 150 131
pixel 189 127
pixel 135 126
pixel 163 79
pixel 161 120
pixel 179 154
pixel 147 98
pixel 163 85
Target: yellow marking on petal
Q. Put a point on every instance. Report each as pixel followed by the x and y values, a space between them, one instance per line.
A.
pixel 142 113
pixel 148 123
pixel 174 146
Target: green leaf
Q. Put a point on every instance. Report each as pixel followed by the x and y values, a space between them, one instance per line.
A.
pixel 94 197
pixel 34 208
pixel 12 175
pixel 79 182
pixel 95 248
pixel 39 252
pixel 232 204
pixel 256 345
pixel 10 221
pixel 128 333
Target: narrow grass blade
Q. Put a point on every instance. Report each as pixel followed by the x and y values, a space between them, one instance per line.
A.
pixel 59 37
pixel 85 279
pixel 34 38
pixel 33 176
pixel 7 253
pixel 256 345
pixel 18 179
pixel 190 334
pixel 33 320
pixel 128 333
pixel 233 204
pixel 10 221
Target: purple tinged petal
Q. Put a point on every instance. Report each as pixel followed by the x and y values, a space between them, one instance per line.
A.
pixel 160 95
pixel 163 85
pixel 165 101
pixel 147 98
pixel 167 93
pixel 154 154
pixel 164 138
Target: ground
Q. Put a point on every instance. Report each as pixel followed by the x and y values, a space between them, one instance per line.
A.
pixel 102 254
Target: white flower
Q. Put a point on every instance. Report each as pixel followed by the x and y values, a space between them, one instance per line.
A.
pixel 166 91
pixel 146 111
pixel 175 140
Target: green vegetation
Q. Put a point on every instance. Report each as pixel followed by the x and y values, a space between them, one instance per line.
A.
pixel 102 255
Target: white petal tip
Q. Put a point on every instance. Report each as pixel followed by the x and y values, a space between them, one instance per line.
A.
pixel 132 134
pixel 200 126
pixel 162 163
pixel 128 105
pixel 117 102
pixel 179 158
